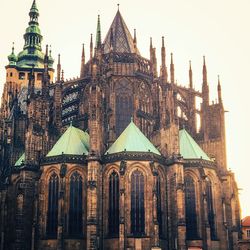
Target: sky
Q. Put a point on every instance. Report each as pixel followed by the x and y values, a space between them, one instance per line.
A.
pixel 217 29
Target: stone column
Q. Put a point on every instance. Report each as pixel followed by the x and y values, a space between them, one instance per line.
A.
pixel 123 166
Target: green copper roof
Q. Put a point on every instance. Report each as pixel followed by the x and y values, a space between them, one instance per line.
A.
pixel 20 161
pixel 189 149
pixel 74 141
pixel 132 139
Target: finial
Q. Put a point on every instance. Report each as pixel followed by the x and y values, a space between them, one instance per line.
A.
pixel 132 119
pixel 135 40
pixel 190 65
pixel 13 47
pixel 204 60
pixel 163 41
pixel 219 79
pixel 171 58
pixel 71 124
pixel 151 42
pixel 118 6
pixel 50 50
pixel 59 59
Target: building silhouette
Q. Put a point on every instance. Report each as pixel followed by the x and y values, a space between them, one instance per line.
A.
pixel 119 158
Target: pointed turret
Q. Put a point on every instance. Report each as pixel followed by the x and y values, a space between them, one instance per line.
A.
pixel 59 68
pixel 12 57
pixel 98 34
pixel 135 40
pixel 122 39
pixel 190 76
pixel 82 62
pixel 172 69
pixel 164 74
pixel 204 71
pixel 219 90
pixel 153 59
pixel 205 88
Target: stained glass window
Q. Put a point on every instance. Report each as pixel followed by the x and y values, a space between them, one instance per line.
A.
pixel 113 204
pixel 52 214
pixel 75 205
pixel 190 204
pixel 137 204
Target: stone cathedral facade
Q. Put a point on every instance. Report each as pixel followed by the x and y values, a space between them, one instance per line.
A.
pixel 121 157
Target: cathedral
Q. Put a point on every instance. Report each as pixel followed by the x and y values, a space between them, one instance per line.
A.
pixel 121 157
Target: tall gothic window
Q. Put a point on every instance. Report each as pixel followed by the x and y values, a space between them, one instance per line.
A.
pixel 158 197
pixel 190 203
pixel 137 204
pixel 75 205
pixel 124 111
pixel 113 204
pixel 52 215
pixel 210 209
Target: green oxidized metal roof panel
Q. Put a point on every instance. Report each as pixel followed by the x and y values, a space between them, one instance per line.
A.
pixel 20 161
pixel 133 140
pixel 74 141
pixel 189 149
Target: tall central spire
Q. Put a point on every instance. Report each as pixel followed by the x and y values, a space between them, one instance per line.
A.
pixel 123 41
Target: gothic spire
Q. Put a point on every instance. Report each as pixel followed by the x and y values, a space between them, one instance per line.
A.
pixel 59 68
pixel 190 76
pixel 172 69
pixel 82 62
pixel 219 90
pixel 164 74
pixel 98 33
pixel 153 59
pixel 205 88
pixel 204 71
pixel 135 39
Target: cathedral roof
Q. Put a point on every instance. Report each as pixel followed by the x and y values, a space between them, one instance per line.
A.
pixel 132 140
pixel 119 37
pixel 189 149
pixel 20 161
pixel 74 141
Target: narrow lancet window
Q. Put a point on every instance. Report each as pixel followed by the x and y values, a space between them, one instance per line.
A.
pixel 137 204
pixel 190 203
pixel 75 205
pixel 52 215
pixel 113 219
pixel 159 210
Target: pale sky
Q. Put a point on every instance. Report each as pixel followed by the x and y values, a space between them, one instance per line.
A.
pixel 218 29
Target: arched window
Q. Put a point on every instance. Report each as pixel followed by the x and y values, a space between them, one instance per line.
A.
pixel 158 197
pixel 124 111
pixel 210 209
pixel 190 203
pixel 113 204
pixel 75 205
pixel 137 204
pixel 52 215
